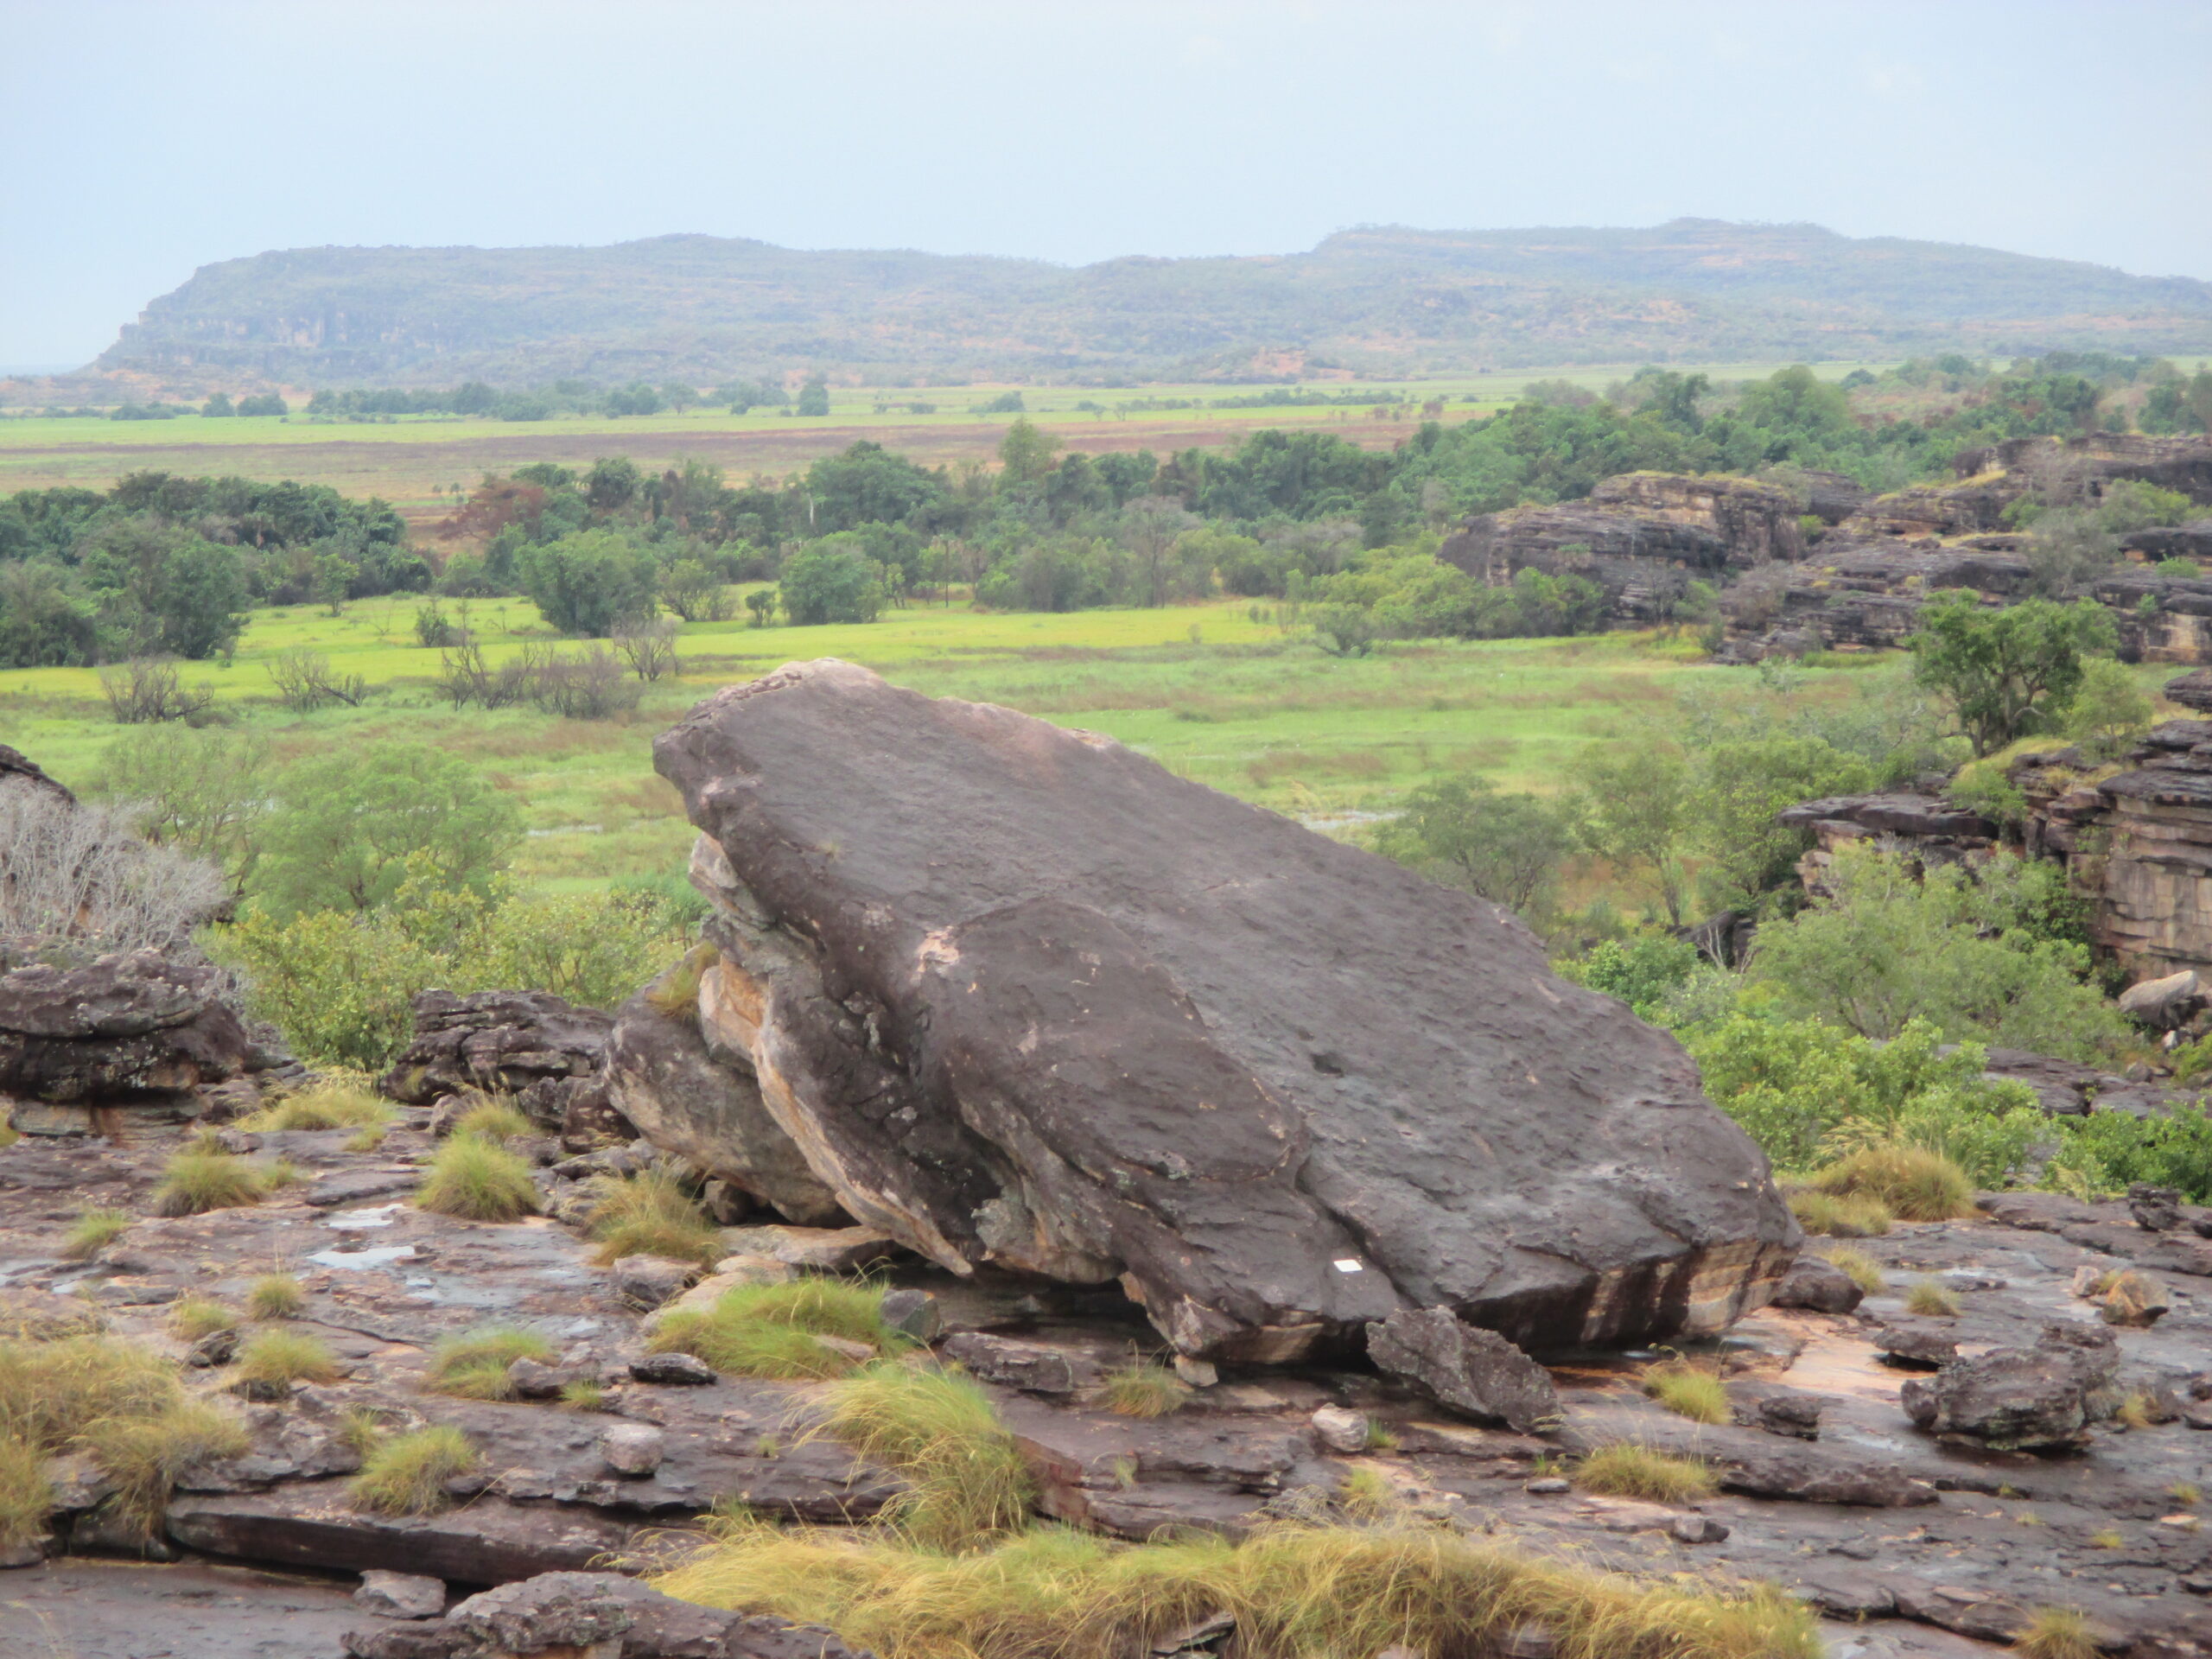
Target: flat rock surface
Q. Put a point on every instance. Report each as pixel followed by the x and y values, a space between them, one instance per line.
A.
pixel 1939 1546
pixel 1123 1025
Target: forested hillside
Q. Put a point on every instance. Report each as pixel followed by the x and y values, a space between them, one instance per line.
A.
pixel 1372 301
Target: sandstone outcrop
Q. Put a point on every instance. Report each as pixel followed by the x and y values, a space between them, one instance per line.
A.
pixel 1642 537
pixel 1020 996
pixel 126 1028
pixel 529 1043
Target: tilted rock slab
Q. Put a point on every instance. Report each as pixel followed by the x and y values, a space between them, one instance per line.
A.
pixel 1020 995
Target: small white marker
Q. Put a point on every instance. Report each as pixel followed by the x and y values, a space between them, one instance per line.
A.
pixel 1349 1264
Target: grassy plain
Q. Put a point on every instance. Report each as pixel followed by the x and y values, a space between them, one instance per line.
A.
pixel 1215 692
pixel 413 461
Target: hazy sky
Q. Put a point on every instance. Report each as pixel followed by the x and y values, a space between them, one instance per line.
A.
pixel 138 139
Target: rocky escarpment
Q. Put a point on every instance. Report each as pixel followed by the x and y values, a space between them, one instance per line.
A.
pixel 1643 537
pixel 1021 997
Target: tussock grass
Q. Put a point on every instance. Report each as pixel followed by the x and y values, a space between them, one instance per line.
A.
pixel 275 1296
pixel 474 1365
pixel 967 1482
pixel 26 1495
pixel 769 1331
pixel 367 1138
pixel 2135 1412
pixel 277 1355
pixel 2187 1493
pixel 145 1455
pixel 1368 1495
pixel 2110 1538
pixel 201 1178
pixel 651 1214
pixel 1624 1470
pixel 1860 1267
pixel 1296 1592
pixel 496 1120
pixel 676 993
pixel 584 1395
pixel 1916 1184
pixel 1688 1390
pixel 93 1230
pixel 347 1103
pixel 1931 1300
pixel 478 1180
pixel 361 1428
pixel 2055 1633
pixel 122 1403
pixel 406 1474
pixel 192 1317
pixel 1143 1390
pixel 1858 1216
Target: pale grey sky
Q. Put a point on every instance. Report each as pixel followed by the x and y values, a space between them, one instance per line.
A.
pixel 141 138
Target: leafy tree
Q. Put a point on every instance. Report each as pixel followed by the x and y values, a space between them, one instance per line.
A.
pixel 2130 504
pixel 814 397
pixel 1741 786
pixel 679 396
pixel 1638 808
pixel 611 483
pixel 204 792
pixel 1006 402
pixel 1027 452
pixel 218 407
pixel 2108 712
pixel 2068 550
pixel 866 484
pixel 1342 630
pixel 2007 673
pixel 832 580
pixel 335 575
pixel 691 590
pixel 44 623
pixel 267 404
pixel 346 826
pixel 1967 953
pixel 590 582
pixel 164 590
pixel 1506 848
pixel 761 602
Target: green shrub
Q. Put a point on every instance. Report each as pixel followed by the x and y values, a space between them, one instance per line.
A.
pixel 1804 1089
pixel 339 986
pixel 1643 973
pixel 2107 1152
pixel 1974 957
pixel 479 1181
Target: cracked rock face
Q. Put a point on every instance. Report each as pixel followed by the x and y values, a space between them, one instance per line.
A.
pixel 1019 996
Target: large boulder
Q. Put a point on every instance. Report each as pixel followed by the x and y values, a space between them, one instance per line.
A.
pixel 1020 995
pixel 529 1043
pixel 117 1027
pixel 2035 1399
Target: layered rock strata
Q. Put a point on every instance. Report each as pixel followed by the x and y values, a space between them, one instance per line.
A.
pixel 1018 995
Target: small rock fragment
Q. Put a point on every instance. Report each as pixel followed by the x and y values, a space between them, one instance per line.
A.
pixel 2019 1399
pixel 1547 1485
pixel 678 1369
pixel 1698 1529
pixel 2156 1208
pixel 1465 1368
pixel 1032 1367
pixel 401 1595
pixel 2134 1299
pixel 1199 1373
pixel 533 1379
pixel 913 1313
pixel 1818 1285
pixel 1907 1343
pixel 816 1249
pixel 216 1348
pixel 646 1282
pixel 632 1449
pixel 1341 1430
